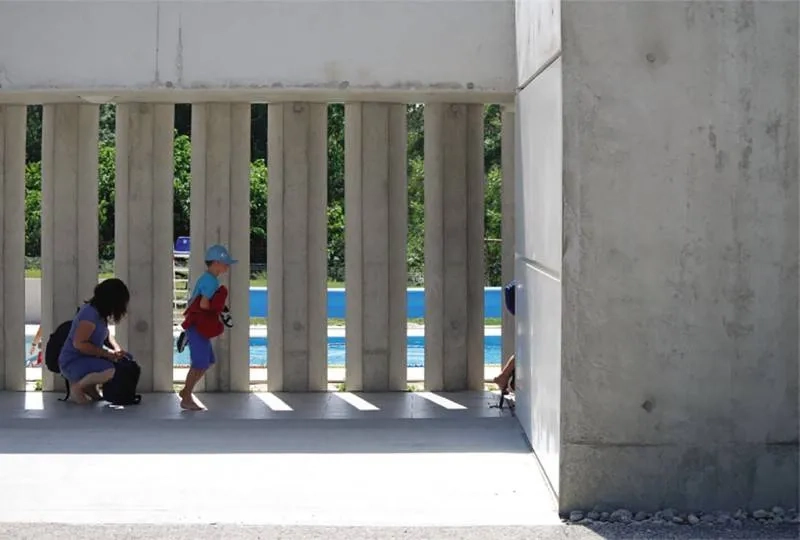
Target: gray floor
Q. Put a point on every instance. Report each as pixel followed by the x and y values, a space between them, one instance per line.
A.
pixel 372 460
pixel 241 532
pixel 288 466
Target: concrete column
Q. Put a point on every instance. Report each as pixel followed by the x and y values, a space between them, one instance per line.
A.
pixel 12 247
pixel 376 221
pixel 220 215
pixel 507 221
pixel 296 246
pixel 69 215
pixel 679 350
pixel 454 210
pixel 143 237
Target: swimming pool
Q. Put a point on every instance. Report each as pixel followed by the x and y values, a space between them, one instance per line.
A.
pixel 415 344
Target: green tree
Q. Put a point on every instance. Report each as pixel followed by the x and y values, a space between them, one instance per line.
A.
pixel 33 209
pixel 258 213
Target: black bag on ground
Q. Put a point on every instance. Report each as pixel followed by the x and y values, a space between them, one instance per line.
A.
pixel 121 389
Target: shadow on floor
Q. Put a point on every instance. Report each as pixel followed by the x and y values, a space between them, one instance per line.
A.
pixel 321 423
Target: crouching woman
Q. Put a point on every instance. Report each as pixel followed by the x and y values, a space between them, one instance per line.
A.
pixel 85 361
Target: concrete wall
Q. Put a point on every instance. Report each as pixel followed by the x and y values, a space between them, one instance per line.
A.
pixel 680 288
pixel 182 51
pixel 33 300
pixel 538 230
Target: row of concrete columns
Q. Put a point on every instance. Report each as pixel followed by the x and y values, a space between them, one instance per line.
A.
pixel 376 225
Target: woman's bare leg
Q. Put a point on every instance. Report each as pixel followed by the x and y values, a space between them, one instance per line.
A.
pixel 92 380
pixel 505 374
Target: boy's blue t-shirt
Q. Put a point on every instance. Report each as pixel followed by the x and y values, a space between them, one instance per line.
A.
pixel 87 313
pixel 206 286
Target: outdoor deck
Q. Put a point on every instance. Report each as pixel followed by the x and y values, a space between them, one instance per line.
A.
pixel 318 459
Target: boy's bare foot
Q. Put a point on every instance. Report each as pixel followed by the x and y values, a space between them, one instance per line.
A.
pixel 188 402
pixel 190 405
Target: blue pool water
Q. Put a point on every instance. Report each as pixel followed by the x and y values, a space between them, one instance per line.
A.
pixel 492 351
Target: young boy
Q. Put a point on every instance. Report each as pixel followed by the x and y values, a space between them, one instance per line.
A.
pixel 202 322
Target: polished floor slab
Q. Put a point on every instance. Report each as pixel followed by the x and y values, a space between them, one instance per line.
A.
pixel 327 459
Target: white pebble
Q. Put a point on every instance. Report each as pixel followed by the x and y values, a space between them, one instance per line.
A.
pixel 693 519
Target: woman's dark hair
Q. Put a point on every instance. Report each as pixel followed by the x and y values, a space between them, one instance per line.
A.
pixel 111 299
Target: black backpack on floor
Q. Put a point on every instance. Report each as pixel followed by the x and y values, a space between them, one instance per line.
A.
pixel 121 389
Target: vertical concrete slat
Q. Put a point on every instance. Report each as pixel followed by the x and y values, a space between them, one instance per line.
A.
pixel 476 278
pixel 69 214
pixel 297 243
pixel 507 222
pixel 398 247
pixel 163 242
pixel 353 245
pixel 12 247
pixel 143 234
pixel 375 212
pixel 454 278
pixel 220 215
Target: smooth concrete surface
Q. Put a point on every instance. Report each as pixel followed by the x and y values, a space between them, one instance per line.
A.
pixel 393 459
pixel 538 36
pixel 256 51
pixel 508 224
pixel 607 531
pixel 538 245
pixel 220 197
pixel 454 237
pixel 69 214
pixel 680 361
pixel 12 246
pixel 143 237
pixel 297 228
pixel 33 300
pixel 376 223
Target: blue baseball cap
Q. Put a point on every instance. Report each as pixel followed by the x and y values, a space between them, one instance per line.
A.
pixel 219 253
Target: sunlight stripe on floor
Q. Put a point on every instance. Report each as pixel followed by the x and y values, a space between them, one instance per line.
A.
pixel 441 401
pixel 359 403
pixel 34 401
pixel 273 402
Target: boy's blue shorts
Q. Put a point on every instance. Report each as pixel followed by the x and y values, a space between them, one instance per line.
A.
pixel 201 353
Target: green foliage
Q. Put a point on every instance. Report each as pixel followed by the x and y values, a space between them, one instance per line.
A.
pixel 33 209
pixel 258 212
pixel 258 187
pixel 106 179
pixel 182 157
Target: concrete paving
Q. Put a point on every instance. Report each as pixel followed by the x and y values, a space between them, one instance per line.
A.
pixel 276 460
pixel 240 532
